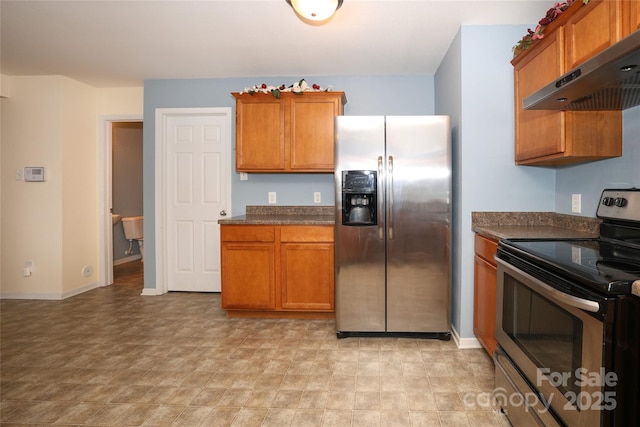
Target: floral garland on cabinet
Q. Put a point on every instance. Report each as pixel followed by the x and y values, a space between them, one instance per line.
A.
pixel 532 35
pixel 297 88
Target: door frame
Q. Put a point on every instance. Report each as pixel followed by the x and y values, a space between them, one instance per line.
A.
pixel 105 183
pixel 161 117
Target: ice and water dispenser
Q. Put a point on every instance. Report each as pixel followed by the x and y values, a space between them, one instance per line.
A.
pixel 359 198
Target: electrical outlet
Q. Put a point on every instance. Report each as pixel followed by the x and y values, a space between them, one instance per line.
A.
pixel 244 176
pixel 317 197
pixel 576 203
pixel 272 197
pixel 28 269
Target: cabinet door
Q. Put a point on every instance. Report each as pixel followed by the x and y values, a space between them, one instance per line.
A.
pixel 312 132
pixel 631 16
pixel 307 281
pixel 260 134
pixel 484 301
pixel 539 132
pixel 592 29
pixel 484 314
pixel 248 285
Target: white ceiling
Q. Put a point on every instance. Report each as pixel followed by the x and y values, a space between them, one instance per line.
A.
pixel 122 43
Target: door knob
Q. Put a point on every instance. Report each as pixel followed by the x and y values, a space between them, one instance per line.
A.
pixel 223 213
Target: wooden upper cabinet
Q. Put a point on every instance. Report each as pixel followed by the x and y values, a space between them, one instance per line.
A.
pixel 539 133
pixel 592 29
pixel 312 132
pixel 260 133
pixel 630 16
pixel 551 137
pixel 293 133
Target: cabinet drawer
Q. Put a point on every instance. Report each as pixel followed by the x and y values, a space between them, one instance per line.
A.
pixel 486 248
pixel 306 233
pixel 247 233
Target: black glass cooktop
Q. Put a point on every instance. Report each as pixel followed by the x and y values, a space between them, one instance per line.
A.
pixel 604 266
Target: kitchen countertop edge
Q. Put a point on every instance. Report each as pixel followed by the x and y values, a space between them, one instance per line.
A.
pixel 283 215
pixel 533 225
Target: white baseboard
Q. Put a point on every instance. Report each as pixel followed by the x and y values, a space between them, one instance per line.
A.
pixel 49 296
pixel 23 295
pixel 80 290
pixel 464 343
pixel 126 259
pixel 149 292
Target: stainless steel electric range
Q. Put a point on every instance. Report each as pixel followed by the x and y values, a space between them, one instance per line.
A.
pixel 568 323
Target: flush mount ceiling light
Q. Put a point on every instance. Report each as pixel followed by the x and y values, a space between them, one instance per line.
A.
pixel 315 10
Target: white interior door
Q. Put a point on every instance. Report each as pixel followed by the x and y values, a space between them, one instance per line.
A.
pixel 197 195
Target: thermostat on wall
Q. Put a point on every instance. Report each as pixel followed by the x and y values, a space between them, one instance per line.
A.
pixel 34 174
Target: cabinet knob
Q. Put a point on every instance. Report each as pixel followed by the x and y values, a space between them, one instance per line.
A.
pixel 223 213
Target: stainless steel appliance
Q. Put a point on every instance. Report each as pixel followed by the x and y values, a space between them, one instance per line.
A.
pixel 568 323
pixel 393 217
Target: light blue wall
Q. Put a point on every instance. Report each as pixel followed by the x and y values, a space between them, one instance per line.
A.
pixel 590 179
pixel 448 100
pixel 390 95
pixel 475 86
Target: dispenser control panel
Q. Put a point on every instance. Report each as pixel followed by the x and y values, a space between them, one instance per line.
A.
pixel 359 198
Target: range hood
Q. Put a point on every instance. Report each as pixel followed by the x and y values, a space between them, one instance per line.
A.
pixel 608 81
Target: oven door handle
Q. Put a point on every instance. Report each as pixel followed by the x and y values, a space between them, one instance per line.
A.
pixel 570 300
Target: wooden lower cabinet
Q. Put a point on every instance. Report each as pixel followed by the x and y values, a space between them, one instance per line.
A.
pixel 484 301
pixel 278 271
pixel 248 285
pixel 307 276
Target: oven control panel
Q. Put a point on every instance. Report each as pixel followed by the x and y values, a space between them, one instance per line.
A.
pixel 620 204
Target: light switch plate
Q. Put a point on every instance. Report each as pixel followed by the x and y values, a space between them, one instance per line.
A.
pixel 317 197
pixel 272 197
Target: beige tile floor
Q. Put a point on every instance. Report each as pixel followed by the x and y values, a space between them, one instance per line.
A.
pixel 112 357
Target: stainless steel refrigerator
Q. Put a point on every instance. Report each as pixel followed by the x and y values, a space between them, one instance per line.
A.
pixel 393 225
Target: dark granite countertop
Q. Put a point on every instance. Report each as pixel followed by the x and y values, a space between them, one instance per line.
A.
pixel 504 225
pixel 284 215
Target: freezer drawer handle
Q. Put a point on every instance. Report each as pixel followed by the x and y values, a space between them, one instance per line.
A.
pixel 390 191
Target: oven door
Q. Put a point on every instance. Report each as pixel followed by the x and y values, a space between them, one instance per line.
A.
pixel 556 343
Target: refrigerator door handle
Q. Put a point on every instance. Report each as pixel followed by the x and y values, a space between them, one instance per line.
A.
pixel 390 196
pixel 380 200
